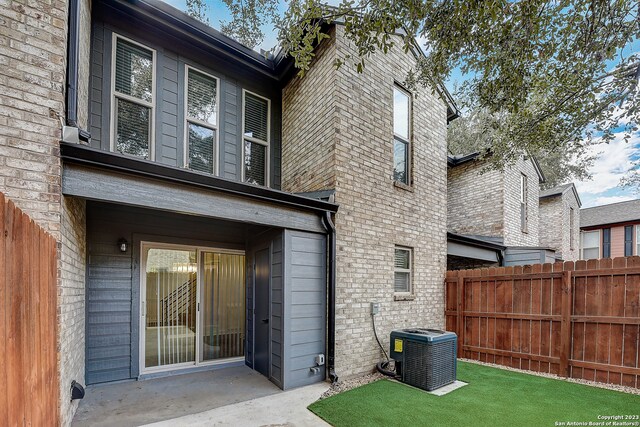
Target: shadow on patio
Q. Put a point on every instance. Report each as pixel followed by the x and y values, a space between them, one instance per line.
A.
pixel 135 403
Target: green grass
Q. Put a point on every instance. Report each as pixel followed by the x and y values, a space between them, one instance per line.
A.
pixel 493 397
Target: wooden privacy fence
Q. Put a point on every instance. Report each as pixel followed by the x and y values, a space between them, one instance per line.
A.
pixel 28 361
pixel 578 320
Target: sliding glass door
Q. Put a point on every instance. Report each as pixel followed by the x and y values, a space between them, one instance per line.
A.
pixel 223 306
pixel 192 306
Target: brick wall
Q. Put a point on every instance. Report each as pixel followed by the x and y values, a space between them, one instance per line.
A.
pixel 309 119
pixel 33 48
pixel 32 75
pixel 555 225
pixel 374 214
pixel 513 235
pixel 71 297
pixel 475 200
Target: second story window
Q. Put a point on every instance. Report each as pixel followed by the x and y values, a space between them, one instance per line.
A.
pixel 201 113
pixel 524 195
pixel 133 98
pixel 401 135
pixel 637 239
pixel 255 131
pixel 590 245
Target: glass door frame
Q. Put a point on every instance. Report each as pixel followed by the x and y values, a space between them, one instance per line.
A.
pixel 144 245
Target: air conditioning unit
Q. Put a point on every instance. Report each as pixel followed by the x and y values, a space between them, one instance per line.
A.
pixel 424 358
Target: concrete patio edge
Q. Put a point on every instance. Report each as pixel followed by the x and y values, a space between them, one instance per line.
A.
pixel 288 408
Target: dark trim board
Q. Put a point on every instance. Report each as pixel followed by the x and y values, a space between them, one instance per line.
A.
pixel 81 154
pixel 124 189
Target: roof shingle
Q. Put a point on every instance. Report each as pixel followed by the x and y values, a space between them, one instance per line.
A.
pixel 610 214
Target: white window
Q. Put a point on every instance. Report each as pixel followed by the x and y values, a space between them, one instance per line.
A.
pixel 402 270
pixel 255 131
pixel 133 98
pixel 590 245
pixel 401 135
pixel 637 239
pixel 524 212
pixel 201 116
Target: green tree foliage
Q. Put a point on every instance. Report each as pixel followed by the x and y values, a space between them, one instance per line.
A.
pixel 542 66
pixel 476 131
pixel 198 9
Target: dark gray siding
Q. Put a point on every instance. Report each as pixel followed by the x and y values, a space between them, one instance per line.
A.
pixel 171 59
pixel 112 292
pixel 167 147
pixel 527 256
pixel 305 306
pixel 277 319
pixel 231 100
pixel 98 114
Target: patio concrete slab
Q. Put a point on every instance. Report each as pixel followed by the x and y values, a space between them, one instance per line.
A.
pixel 135 403
pixel 288 408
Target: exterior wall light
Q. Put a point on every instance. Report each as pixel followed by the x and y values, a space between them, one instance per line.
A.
pixel 123 245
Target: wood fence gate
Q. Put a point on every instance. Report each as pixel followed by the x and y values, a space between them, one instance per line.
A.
pixel 578 320
pixel 28 321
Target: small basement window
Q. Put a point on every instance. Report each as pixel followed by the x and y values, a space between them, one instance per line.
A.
pixel 402 270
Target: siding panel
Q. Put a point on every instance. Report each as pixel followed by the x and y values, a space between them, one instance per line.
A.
pixel 305 305
pixel 277 321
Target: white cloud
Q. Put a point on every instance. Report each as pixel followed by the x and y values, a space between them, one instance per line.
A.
pixel 607 200
pixel 612 163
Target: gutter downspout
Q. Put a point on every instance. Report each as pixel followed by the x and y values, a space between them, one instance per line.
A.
pixel 71 132
pixel 331 297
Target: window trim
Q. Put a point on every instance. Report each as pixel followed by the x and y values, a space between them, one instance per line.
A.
pixel 409 152
pixel 403 270
pixel 524 205
pixel 256 140
pixel 187 120
pixel 113 96
pixel 637 237
pixel 582 233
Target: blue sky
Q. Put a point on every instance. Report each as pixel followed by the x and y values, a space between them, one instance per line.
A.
pixel 613 161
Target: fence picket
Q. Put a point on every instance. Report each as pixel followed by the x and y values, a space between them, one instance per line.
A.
pixel 579 320
pixel 28 323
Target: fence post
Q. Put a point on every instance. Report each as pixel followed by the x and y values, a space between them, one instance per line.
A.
pixel 565 325
pixel 460 313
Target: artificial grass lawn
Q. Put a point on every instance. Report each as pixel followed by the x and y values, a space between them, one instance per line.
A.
pixel 493 397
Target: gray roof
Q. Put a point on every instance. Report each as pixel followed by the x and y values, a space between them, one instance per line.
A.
pixel 459 159
pixel 610 214
pixel 560 190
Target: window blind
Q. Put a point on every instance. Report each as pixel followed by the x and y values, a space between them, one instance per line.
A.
pixel 202 95
pixel 402 274
pixel 201 143
pixel 134 71
pixel 256 116
pixel 255 156
pixel 132 128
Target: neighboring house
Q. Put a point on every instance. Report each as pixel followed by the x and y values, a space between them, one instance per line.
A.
pixel 610 231
pixel 176 181
pixel 492 215
pixel 560 221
